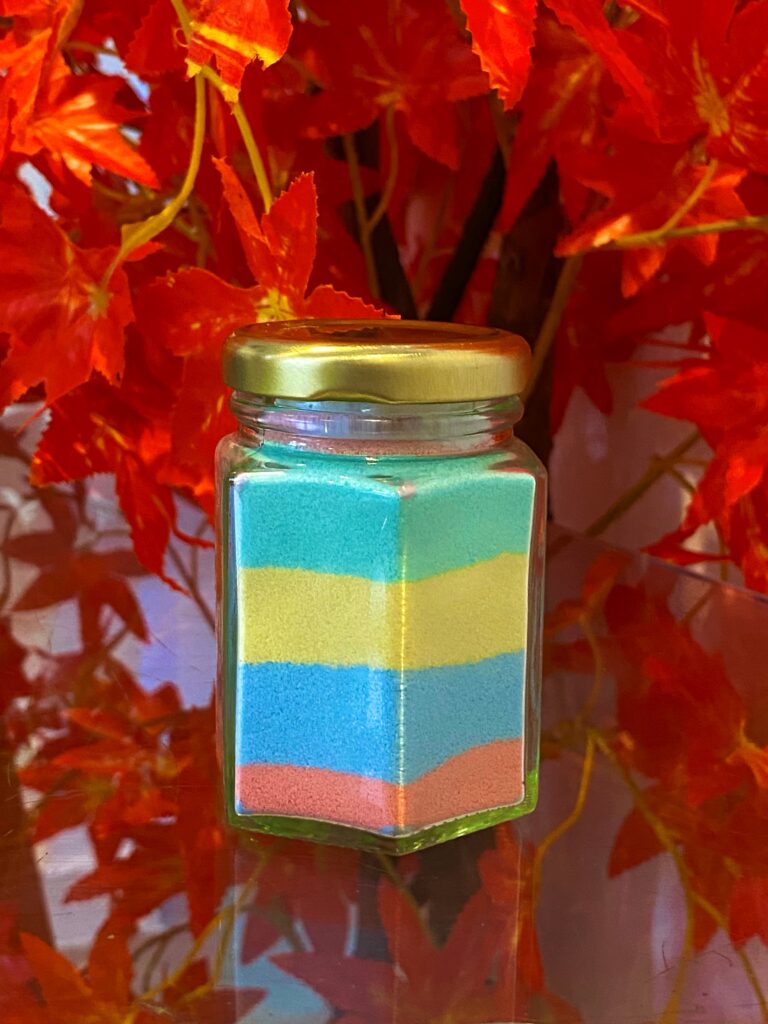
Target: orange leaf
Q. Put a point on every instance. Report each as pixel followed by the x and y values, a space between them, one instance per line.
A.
pixel 52 302
pixel 502 37
pixel 78 122
pixel 59 980
pixel 236 32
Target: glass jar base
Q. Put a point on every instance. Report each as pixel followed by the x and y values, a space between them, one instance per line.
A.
pixel 342 835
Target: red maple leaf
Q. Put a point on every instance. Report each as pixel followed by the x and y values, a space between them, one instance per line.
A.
pixel 584 345
pixel 726 396
pixel 71 999
pixel 77 122
pixel 99 429
pixel 675 701
pixel 422 982
pixel 502 37
pixel 687 78
pixel 560 113
pixel 154 50
pixel 598 581
pixel 505 872
pixel 113 766
pixel 192 993
pixel 71 118
pixel 95 580
pixel 191 312
pixel 749 910
pixel 649 187
pixel 63 321
pixel 683 725
pixel 711 74
pixel 236 32
pixel 313 884
pixel 411 57
pixel 177 846
pixel 588 21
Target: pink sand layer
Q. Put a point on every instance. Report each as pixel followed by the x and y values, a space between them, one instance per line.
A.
pixel 479 779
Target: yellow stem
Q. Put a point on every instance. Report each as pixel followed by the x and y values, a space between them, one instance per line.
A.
pixel 135 235
pixel 106 51
pixel 657 468
pixel 252 149
pixel 690 202
pixel 183 15
pixel 549 328
pixel 722 922
pixel 716 227
pixel 224 919
pixel 566 823
pixel 668 841
pixel 685 483
pixel 353 166
pixel 249 141
pixel 394 160
pixel 599 660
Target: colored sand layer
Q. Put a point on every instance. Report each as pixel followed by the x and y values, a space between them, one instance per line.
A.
pixel 381 616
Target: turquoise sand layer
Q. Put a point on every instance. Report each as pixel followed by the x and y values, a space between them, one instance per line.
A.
pixel 396 518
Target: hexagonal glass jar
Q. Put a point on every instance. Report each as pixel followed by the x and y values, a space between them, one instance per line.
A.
pixel 380 568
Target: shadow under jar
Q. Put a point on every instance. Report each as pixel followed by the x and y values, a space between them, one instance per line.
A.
pixel 381 537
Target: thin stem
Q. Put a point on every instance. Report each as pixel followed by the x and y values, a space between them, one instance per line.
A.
pixel 696 607
pixel 221 919
pixel 722 922
pixel 394 162
pixel 157 943
pixel 569 821
pixel 548 332
pixel 716 227
pixel 192 586
pixel 669 843
pixel 397 880
pixel 684 482
pixel 361 214
pixel 183 15
pixel 657 468
pixel 599 660
pixel 254 155
pixel 249 141
pixel 135 235
pixel 81 44
pixel 706 180
pixel 672 1009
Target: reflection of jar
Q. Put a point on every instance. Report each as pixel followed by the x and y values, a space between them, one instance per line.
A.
pixel 381 541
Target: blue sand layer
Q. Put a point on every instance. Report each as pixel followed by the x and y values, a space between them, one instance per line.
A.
pixel 388 519
pixel 378 723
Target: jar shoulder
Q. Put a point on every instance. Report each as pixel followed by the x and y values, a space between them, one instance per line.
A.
pixel 235 455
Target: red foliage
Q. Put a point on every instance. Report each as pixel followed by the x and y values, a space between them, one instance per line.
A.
pixel 170 171
pixel 655 121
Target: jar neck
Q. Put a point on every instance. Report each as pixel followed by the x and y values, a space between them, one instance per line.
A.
pixel 367 428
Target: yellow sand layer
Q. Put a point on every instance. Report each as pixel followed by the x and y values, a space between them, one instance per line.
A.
pixel 455 617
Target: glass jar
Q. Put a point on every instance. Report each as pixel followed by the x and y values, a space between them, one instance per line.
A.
pixel 381 539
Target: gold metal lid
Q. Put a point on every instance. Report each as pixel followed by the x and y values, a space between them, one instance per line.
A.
pixel 398 361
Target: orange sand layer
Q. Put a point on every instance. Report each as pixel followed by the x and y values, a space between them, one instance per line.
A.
pixel 479 779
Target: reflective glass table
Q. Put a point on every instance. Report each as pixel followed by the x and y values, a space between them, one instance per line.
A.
pixel 636 892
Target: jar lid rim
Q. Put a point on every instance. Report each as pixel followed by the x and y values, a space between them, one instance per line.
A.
pixel 386 360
